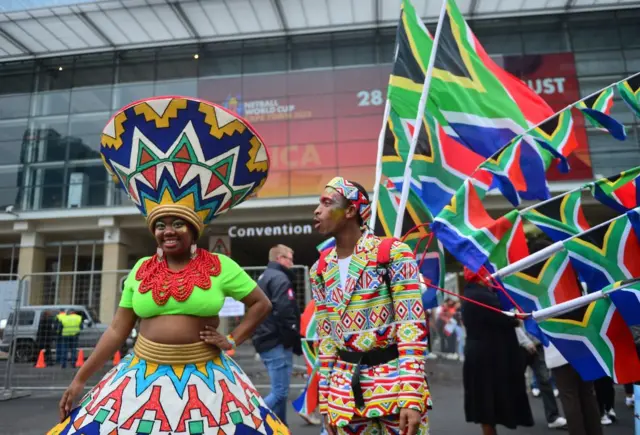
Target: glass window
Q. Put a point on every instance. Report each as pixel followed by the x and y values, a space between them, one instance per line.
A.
pixel 53 102
pixel 10 182
pixel 16 85
pixel 84 135
pixel 264 56
pixel 353 49
pixel 48 142
pixel 310 52
pixel 55 74
pixel 630 33
pixel 186 88
pixel 130 92
pixel 588 32
pixel 46 188
pixel 87 186
pixel 550 40
pixel 599 63
pixel 611 156
pixel 91 99
pixel 492 37
pixel 137 66
pixel 387 46
pixel 177 63
pixel 14 105
pixel 54 86
pixel 12 134
pixel 221 59
pixel 632 58
pixel 25 318
pixel 94 70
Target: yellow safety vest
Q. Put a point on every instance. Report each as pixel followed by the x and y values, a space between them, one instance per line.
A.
pixel 71 325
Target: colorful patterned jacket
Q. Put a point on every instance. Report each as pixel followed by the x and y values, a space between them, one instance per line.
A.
pixel 366 315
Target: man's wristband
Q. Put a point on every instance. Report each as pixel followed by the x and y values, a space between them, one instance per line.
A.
pixel 231 341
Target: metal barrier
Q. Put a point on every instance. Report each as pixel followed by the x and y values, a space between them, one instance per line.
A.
pixel 10 301
pixel 36 296
pixel 36 355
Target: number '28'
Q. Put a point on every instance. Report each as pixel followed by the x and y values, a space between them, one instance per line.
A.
pixel 370 98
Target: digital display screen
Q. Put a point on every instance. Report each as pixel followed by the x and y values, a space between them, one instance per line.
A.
pixel 321 123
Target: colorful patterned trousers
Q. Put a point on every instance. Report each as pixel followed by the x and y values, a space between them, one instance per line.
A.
pixel 380 426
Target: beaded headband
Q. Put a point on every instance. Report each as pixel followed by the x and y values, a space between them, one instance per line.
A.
pixel 351 192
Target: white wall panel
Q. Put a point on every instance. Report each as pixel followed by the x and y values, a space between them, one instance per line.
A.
pixel 243 15
pixel 63 32
pixel 199 19
pixel 295 14
pixel 107 27
pixel 219 15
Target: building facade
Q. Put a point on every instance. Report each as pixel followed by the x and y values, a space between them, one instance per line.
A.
pixel 317 99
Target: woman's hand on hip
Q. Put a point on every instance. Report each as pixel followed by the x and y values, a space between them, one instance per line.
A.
pixel 71 393
pixel 211 336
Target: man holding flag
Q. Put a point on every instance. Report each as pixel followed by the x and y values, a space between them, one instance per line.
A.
pixel 370 323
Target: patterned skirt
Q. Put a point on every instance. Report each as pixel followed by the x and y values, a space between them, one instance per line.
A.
pixel 172 389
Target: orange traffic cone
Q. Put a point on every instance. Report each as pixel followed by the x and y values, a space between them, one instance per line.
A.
pixel 40 364
pixel 80 360
pixel 116 358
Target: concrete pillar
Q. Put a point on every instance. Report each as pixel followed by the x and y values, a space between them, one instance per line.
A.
pixel 221 244
pixel 65 283
pixel 114 258
pixel 31 260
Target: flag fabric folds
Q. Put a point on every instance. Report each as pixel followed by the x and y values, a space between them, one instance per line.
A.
pixel 559 218
pixel 519 171
pixel 606 254
pixel 625 295
pixel 467 231
pixel 430 258
pixel 484 106
pixel 619 192
pixel 545 284
pixel 629 90
pixel 597 110
pixel 307 402
pixel 596 341
pixel 441 163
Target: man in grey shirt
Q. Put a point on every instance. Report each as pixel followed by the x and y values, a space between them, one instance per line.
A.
pixel 534 356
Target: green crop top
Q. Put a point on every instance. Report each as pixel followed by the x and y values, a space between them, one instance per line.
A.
pixel 232 282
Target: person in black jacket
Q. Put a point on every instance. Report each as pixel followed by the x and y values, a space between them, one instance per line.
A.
pixel 493 371
pixel 45 335
pixel 278 337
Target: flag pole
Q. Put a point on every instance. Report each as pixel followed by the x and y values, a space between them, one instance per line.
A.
pixel 565 307
pixel 406 183
pixel 376 185
pixel 547 252
pixel 570 305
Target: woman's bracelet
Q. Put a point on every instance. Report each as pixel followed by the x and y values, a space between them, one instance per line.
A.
pixel 231 341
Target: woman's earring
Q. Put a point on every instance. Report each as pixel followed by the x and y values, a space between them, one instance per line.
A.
pixel 159 253
pixel 194 249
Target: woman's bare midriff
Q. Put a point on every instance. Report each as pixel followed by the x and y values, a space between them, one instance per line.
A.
pixel 176 329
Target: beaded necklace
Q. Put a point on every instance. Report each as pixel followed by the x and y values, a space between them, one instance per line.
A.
pixel 155 276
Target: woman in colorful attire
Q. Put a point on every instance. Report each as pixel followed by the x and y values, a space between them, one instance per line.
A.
pixel 183 162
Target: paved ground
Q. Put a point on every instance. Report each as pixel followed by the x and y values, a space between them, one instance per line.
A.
pixel 447 417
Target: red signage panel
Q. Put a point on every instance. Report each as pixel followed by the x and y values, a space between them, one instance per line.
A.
pixel 323 123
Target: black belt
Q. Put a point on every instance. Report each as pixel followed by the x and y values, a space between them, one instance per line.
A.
pixel 371 358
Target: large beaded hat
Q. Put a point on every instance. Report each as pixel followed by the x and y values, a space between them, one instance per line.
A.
pixel 183 157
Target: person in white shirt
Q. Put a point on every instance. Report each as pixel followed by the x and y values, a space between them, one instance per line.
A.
pixel 577 396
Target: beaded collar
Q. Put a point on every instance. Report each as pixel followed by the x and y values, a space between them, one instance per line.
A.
pixel 163 283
